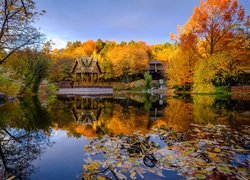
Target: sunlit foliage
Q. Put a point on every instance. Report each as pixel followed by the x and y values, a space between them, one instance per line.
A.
pixel 180 68
pixel 129 60
pixel 219 69
pixel 213 27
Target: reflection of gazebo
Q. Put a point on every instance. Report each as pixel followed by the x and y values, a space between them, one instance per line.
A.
pixel 85 71
pixel 86 111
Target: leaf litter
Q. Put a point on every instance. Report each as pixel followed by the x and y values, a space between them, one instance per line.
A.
pixel 204 152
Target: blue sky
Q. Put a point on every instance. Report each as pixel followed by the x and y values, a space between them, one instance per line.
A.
pixel 119 20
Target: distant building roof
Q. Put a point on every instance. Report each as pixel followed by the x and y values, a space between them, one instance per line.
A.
pixel 155 62
pixel 247 71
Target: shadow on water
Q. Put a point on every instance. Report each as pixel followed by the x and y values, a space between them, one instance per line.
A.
pixel 26 125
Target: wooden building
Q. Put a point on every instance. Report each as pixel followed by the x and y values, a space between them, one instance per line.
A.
pixel 244 77
pixel 86 72
pixel 156 69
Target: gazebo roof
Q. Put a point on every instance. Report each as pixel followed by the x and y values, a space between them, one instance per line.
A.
pixel 86 65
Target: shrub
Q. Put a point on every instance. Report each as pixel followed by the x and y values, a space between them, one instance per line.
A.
pixel 148 80
pixel 8 85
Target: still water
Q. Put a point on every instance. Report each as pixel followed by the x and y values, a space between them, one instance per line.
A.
pixel 130 136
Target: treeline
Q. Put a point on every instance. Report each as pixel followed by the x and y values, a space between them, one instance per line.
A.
pixel 119 61
pixel 26 68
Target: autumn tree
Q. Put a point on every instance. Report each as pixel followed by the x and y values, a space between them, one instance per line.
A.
pixel 180 68
pixel 218 70
pixel 161 51
pixel 16 30
pixel 86 49
pixel 129 60
pixel 213 27
pixel 216 34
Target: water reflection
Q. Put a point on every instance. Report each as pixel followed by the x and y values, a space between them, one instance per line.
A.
pixel 113 116
pixel 26 125
pixel 24 133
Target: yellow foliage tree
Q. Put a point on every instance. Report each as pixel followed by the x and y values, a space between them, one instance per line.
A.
pixel 128 60
pixel 180 68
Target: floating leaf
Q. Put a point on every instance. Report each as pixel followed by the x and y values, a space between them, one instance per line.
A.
pixel 200 176
pixel 217 150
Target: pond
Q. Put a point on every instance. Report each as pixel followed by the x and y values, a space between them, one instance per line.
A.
pixel 129 136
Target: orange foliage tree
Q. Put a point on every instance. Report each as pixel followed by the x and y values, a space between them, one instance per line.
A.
pixel 213 27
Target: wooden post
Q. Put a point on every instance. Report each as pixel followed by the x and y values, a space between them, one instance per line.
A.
pixel 81 79
pixel 74 80
pixel 92 78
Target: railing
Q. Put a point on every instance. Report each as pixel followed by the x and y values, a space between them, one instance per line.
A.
pixel 240 89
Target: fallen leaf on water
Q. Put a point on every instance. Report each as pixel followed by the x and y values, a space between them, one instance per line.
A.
pixel 200 176
pixel 217 150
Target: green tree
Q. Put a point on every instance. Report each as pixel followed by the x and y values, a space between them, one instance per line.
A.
pixel 31 67
pixel 99 45
pixel 8 84
pixel 148 80
pixel 203 76
pixel 61 70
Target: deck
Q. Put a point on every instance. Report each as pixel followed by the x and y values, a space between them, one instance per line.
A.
pixel 86 91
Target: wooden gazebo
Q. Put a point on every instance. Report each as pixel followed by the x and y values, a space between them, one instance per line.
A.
pixel 85 72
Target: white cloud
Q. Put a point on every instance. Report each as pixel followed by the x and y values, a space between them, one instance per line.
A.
pixel 58 43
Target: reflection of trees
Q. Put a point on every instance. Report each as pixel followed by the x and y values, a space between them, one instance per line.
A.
pixel 26 114
pixel 209 109
pixel 17 149
pixel 178 115
pixel 125 120
pixel 204 111
pixel 95 117
pixel 34 115
pixel 23 136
